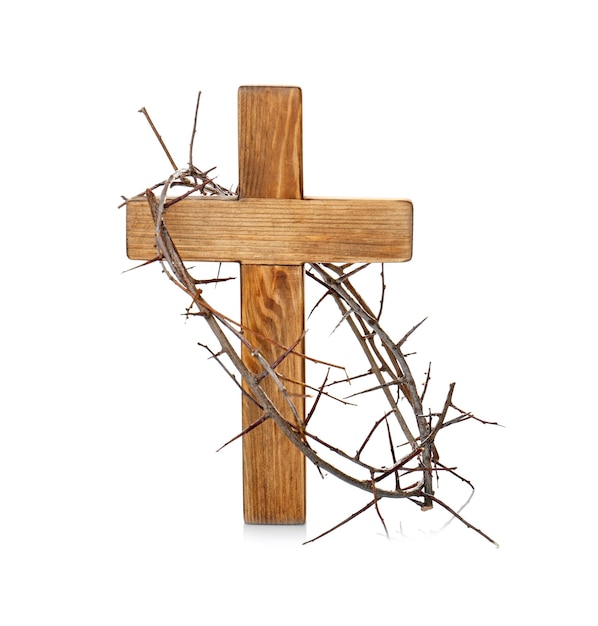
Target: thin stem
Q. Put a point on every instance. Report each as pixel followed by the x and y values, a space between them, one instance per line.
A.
pixel 193 132
pixel 149 119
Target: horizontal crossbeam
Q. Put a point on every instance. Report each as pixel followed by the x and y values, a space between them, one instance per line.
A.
pixel 277 231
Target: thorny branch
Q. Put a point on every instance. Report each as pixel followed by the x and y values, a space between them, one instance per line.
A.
pixel 406 421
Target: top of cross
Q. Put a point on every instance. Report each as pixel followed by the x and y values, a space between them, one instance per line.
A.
pixel 268 224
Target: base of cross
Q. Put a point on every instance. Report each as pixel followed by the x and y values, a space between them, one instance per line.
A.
pixel 271 230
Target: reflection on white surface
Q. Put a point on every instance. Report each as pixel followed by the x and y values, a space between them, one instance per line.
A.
pixel 269 535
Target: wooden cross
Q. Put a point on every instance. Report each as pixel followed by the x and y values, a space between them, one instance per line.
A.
pixel 271 230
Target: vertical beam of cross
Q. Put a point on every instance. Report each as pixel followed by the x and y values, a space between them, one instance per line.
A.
pixel 272 303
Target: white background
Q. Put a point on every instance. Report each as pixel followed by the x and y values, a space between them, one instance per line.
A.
pixel 114 507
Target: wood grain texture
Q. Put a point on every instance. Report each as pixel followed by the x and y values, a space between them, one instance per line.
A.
pixel 273 469
pixel 278 231
pixel 270 166
pixel 270 142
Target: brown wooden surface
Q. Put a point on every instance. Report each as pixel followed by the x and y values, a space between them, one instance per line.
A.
pixel 276 231
pixel 273 469
pixel 270 166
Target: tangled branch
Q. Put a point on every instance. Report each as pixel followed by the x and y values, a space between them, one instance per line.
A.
pixel 405 423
